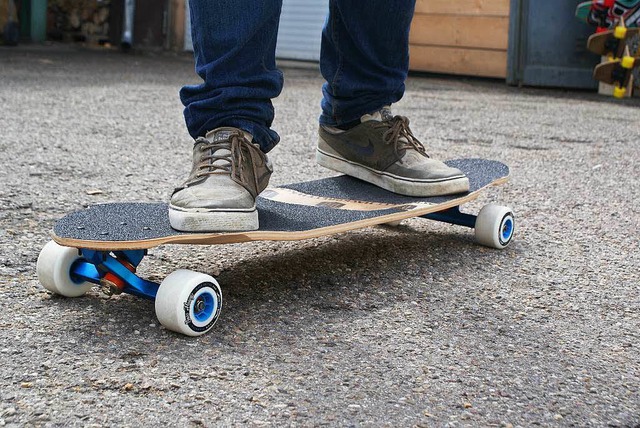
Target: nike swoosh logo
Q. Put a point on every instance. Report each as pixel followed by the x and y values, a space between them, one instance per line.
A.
pixel 359 148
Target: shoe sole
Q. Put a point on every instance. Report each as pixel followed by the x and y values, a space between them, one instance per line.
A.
pixel 393 183
pixel 202 220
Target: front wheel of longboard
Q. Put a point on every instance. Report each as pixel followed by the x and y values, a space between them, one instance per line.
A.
pixel 54 266
pixel 188 302
pixel 495 226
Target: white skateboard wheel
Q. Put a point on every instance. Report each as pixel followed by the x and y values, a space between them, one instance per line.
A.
pixel 495 226
pixel 188 302
pixel 54 270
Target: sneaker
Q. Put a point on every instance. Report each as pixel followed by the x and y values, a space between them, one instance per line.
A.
pixel 228 172
pixel 382 150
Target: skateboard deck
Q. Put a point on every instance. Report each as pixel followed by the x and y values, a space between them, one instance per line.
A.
pixel 613 73
pixel 103 245
pixel 292 212
pixel 606 44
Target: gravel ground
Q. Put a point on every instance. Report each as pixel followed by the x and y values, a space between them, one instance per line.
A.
pixel 407 326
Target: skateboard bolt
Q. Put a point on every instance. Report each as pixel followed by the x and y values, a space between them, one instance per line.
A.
pixel 109 288
pixel 200 305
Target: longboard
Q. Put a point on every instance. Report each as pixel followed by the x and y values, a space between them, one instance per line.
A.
pixel 614 73
pixel 607 44
pixel 292 212
pixel 103 244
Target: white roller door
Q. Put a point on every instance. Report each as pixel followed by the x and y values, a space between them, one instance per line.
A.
pixel 301 25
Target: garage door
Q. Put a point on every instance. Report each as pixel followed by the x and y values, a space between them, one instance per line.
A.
pixel 301 25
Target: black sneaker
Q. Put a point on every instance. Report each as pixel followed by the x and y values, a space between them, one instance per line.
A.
pixel 382 150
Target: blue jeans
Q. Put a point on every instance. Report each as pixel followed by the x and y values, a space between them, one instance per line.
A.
pixel 364 60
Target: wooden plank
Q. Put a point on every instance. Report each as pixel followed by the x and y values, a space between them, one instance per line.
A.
pixel 464 7
pixel 470 62
pixel 460 31
pixel 4 16
pixel 177 29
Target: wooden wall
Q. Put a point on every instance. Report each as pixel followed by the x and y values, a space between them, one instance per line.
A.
pixel 468 37
pixel 176 25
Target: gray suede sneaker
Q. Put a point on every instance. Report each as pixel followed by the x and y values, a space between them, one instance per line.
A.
pixel 382 150
pixel 228 172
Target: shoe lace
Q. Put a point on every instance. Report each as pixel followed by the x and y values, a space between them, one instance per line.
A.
pixel 228 157
pixel 400 136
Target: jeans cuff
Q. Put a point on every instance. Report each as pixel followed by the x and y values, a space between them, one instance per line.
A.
pixel 263 136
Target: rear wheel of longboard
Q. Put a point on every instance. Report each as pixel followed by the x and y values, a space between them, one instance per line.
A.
pixel 54 267
pixel 495 226
pixel 188 302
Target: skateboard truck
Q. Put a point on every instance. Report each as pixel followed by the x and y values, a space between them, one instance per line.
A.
pixel 109 288
pixel 114 272
pixel 494 225
pixel 187 302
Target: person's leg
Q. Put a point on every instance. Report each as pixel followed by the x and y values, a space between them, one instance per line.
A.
pixel 229 114
pixel 365 61
pixel 364 57
pixel 234 45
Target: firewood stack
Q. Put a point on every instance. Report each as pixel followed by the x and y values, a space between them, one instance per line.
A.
pixel 79 20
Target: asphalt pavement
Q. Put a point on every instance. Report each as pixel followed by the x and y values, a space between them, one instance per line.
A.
pixel 408 326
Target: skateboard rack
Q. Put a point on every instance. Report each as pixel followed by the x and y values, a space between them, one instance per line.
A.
pixel 110 270
pixel 613 40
